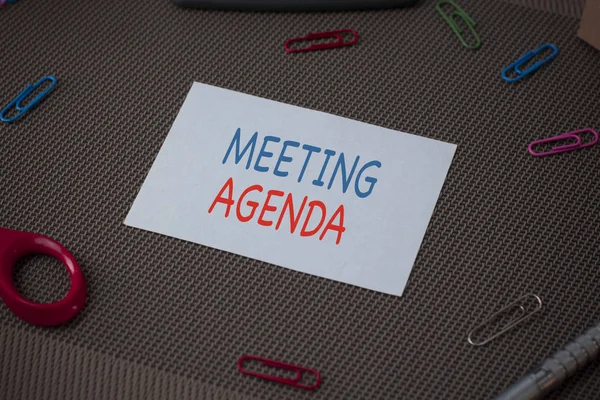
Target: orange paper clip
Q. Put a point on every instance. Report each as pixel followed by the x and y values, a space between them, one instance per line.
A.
pixel 278 364
pixel 322 35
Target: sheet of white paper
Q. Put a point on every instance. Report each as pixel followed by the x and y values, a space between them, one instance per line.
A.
pixel 378 197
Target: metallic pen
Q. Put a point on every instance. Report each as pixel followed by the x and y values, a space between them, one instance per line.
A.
pixel 556 369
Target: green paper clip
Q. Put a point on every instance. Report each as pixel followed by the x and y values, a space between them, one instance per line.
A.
pixel 450 20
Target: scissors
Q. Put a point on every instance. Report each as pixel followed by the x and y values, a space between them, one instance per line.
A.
pixel 15 245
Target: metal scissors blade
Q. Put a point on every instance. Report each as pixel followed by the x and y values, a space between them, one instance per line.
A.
pixel 15 245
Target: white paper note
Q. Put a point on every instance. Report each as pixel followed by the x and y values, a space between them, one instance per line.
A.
pixel 298 188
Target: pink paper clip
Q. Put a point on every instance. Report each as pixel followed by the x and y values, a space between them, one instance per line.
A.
pixel 322 35
pixel 278 364
pixel 567 147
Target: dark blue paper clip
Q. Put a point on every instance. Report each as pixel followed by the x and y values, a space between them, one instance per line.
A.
pixel 516 66
pixel 16 103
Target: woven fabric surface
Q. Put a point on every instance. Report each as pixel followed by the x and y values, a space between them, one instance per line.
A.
pixel 570 8
pixel 37 367
pixel 506 223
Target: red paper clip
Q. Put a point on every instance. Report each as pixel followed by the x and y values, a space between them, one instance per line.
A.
pixel 322 35
pixel 278 364
pixel 567 147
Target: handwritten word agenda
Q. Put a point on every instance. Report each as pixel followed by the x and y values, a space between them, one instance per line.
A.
pixel 334 166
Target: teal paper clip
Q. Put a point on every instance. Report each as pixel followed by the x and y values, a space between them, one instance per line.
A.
pixel 517 65
pixel 16 102
pixel 450 19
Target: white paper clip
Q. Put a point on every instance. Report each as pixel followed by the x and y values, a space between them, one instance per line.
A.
pixel 497 317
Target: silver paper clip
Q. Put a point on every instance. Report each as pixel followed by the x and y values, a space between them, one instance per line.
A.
pixel 522 315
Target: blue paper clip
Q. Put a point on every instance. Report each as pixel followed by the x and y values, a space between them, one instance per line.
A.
pixel 516 66
pixel 16 102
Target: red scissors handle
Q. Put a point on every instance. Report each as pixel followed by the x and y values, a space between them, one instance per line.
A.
pixel 15 245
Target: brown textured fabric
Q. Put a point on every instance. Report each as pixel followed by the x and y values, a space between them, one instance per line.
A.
pixel 506 223
pixel 570 8
pixel 37 367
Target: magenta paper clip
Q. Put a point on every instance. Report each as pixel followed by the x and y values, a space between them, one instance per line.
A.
pixel 337 35
pixel 567 147
pixel 295 382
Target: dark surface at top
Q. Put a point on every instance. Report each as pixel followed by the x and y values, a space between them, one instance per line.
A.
pixel 506 223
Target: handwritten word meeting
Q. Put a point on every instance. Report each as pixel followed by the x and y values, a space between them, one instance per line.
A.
pixel 289 152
